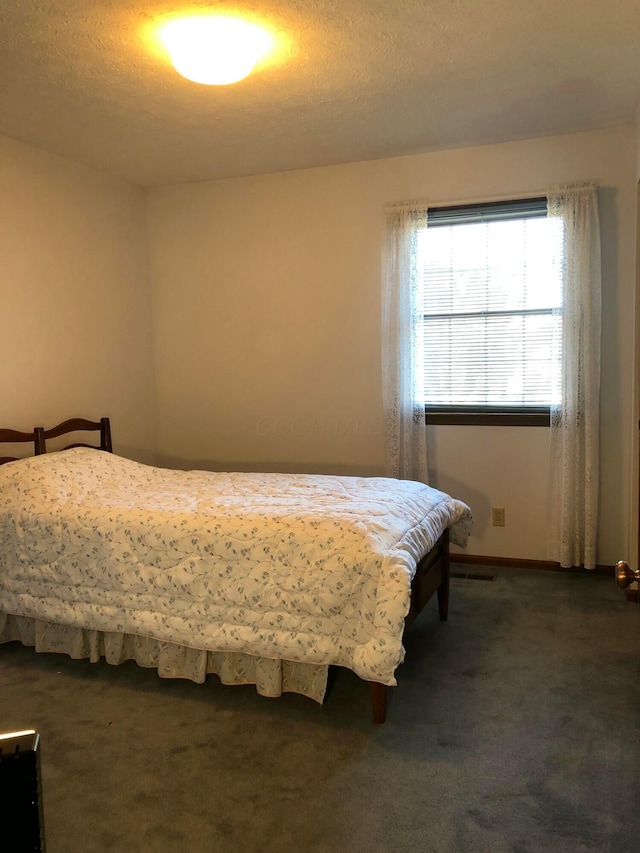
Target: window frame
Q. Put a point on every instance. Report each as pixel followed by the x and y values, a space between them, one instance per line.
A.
pixel 529 416
pixel 477 415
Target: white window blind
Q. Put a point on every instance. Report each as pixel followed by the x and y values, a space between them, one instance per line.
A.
pixel 491 279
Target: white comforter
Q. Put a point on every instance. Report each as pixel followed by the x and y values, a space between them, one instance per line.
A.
pixel 299 567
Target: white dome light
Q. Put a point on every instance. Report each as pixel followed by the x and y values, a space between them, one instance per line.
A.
pixel 215 50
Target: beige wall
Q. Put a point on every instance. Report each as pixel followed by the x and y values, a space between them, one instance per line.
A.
pixel 75 309
pixel 267 324
pixel 266 314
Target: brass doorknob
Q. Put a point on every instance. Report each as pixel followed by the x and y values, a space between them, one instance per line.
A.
pixel 625 575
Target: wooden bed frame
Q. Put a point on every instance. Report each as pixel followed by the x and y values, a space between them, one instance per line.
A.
pixel 76 425
pixel 14 436
pixel 432 574
pixel 39 436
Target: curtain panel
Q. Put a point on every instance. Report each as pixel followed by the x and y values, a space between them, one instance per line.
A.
pixel 403 384
pixel 575 418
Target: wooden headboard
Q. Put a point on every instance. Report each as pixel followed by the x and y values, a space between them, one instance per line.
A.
pixel 39 436
pixel 77 425
pixel 14 436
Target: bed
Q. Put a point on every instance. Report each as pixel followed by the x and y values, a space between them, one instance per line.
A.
pixel 269 579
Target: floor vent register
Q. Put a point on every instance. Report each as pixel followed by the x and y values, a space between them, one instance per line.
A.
pixel 472 576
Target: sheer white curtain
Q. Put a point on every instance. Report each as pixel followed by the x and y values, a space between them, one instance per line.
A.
pixel 575 420
pixel 402 310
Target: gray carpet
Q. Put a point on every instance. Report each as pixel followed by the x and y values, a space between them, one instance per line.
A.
pixel 515 727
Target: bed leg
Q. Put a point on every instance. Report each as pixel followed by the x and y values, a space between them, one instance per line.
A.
pixel 443 589
pixel 379 702
pixel 443 600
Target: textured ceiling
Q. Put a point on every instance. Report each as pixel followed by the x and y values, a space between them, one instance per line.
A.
pixel 354 80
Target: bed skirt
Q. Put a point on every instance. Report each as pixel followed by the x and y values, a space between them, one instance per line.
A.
pixel 271 677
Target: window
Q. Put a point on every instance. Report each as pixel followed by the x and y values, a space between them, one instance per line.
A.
pixel 492 294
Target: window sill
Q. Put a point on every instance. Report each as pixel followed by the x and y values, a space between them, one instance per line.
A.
pixel 537 418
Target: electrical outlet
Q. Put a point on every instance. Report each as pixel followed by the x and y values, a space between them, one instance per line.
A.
pixel 497 516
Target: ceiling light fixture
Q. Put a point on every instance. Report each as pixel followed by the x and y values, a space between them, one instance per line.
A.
pixel 215 50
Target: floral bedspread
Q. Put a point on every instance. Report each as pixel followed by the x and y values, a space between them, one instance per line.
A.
pixel 305 568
